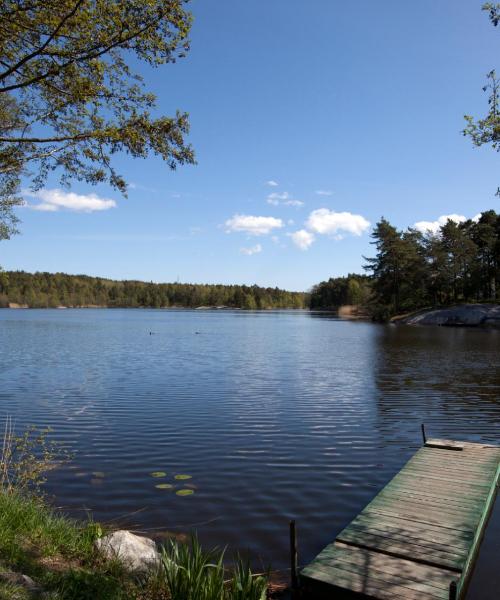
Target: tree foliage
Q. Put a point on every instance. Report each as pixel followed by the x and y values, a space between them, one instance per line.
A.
pixel 458 263
pixel 47 290
pixel 69 96
pixel 486 130
pixel 337 291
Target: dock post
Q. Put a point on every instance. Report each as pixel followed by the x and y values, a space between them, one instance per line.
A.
pixel 424 437
pixel 293 559
pixel 453 590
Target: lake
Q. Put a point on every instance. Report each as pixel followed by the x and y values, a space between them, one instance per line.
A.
pixel 274 415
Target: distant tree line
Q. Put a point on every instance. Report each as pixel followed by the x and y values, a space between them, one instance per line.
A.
pixel 338 291
pixel 460 262
pixel 49 290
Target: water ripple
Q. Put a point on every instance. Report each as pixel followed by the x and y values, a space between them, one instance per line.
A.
pixel 275 415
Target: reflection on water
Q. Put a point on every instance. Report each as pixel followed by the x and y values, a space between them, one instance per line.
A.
pixel 275 415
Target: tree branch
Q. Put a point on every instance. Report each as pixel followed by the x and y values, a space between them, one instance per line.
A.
pixel 39 50
pixel 66 138
pixel 91 55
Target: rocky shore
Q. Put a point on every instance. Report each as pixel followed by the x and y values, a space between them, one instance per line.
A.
pixel 463 315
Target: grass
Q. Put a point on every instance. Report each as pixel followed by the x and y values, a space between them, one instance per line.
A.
pixel 194 574
pixel 59 554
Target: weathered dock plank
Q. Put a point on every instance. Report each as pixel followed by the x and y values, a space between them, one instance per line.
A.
pixel 419 534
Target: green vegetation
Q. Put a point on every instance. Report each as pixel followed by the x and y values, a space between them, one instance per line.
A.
pixel 60 555
pixel 486 130
pixel 46 290
pixel 459 263
pixel 411 270
pixel 70 96
pixel 57 553
pixel 26 458
pixel 192 574
pixel 337 291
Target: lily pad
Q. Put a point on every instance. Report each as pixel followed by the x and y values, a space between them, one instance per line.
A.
pixel 164 486
pixel 182 477
pixel 158 474
pixel 98 474
pixel 184 492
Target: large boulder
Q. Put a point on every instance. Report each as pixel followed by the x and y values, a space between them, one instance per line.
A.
pixel 470 315
pixel 135 552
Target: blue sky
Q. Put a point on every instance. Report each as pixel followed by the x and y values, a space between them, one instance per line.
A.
pixel 350 108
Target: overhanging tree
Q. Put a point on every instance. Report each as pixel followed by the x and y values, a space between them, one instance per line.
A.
pixel 69 95
pixel 487 130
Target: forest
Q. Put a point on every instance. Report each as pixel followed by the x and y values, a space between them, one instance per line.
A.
pixel 50 290
pixel 337 291
pixel 456 263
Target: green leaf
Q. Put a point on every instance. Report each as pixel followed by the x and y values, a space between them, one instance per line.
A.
pixel 184 492
pixel 182 477
pixel 158 474
pixel 164 486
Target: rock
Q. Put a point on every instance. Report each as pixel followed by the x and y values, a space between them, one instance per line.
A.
pixel 135 552
pixel 464 315
pixel 21 580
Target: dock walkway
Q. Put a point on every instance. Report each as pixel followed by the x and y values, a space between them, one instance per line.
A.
pixel 418 538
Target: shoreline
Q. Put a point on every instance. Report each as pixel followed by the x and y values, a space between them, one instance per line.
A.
pixel 44 552
pixel 15 306
pixel 482 316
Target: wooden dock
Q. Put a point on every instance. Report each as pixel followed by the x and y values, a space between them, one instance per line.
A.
pixel 419 537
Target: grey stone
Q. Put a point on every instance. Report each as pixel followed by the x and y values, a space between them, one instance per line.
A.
pixel 468 315
pixel 137 553
pixel 21 580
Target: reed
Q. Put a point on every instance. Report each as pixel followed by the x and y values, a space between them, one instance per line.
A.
pixel 194 574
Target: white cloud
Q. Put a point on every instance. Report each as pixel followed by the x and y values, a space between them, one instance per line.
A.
pixel 284 199
pixel 324 192
pixel 272 183
pixel 54 200
pixel 253 225
pixel 329 222
pixel 252 250
pixel 302 238
pixel 43 207
pixel 434 226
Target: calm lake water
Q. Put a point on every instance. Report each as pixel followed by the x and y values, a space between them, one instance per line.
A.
pixel 275 415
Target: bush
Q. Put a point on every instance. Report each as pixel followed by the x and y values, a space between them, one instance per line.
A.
pixel 26 458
